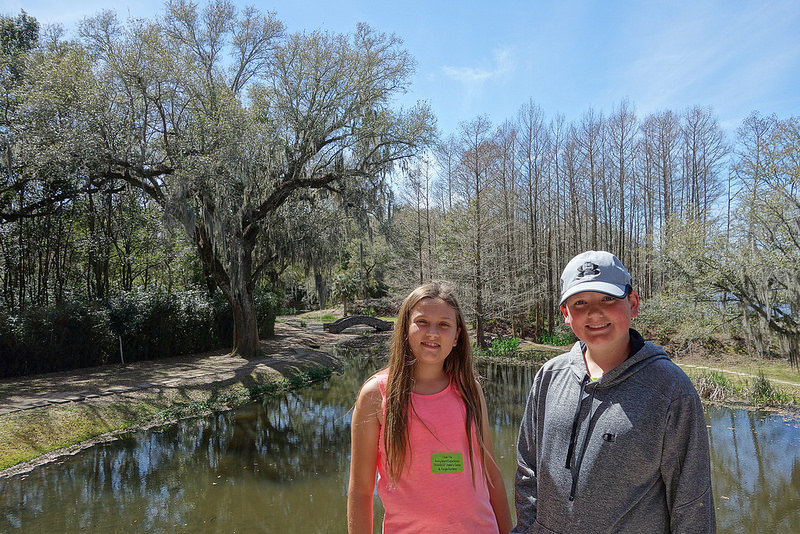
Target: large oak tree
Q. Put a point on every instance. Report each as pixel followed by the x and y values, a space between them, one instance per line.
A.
pixel 227 123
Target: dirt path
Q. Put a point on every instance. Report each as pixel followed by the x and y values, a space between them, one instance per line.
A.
pixel 293 347
pixel 737 373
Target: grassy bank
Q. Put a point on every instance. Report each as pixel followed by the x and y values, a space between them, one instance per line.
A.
pixel 761 390
pixel 730 379
pixel 38 433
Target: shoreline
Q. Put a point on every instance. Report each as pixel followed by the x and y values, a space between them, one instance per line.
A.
pixel 145 395
pixel 46 417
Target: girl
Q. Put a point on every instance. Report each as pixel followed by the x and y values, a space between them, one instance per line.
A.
pixel 422 423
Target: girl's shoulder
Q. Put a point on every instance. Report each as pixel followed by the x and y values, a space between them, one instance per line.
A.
pixel 370 397
pixel 381 377
pixel 376 384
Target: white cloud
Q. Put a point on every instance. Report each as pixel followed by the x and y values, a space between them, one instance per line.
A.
pixel 504 64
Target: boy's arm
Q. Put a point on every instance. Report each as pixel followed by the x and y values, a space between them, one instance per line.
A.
pixel 525 484
pixel 686 468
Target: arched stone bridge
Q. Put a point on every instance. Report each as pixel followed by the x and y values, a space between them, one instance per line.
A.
pixel 336 327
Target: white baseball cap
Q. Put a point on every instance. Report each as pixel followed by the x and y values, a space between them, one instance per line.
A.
pixel 594 270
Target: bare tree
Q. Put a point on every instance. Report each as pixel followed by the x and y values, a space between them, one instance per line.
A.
pixel 590 143
pixel 659 169
pixel 704 150
pixel 534 146
pixel 476 161
pixel 622 147
pixel 446 154
pixel 508 177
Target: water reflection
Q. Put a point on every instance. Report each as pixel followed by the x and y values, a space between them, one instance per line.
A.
pixel 275 466
pixel 281 465
pixel 755 458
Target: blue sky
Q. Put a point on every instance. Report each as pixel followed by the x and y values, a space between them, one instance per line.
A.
pixel 490 58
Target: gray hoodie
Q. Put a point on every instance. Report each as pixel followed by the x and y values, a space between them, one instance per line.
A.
pixel 625 453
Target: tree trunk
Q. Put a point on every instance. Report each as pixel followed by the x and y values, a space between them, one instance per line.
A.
pixel 234 277
pixel 479 322
pixel 551 303
pixel 245 325
pixel 321 287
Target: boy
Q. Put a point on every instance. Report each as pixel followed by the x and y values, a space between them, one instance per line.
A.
pixel 613 438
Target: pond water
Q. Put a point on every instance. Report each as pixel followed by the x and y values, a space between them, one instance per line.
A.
pixel 281 465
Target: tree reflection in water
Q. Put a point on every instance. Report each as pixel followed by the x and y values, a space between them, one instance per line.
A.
pixel 755 461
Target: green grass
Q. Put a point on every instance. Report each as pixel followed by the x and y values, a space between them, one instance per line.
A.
pixel 511 350
pixel 758 391
pixel 558 339
pixel 762 393
pixel 28 434
pixel 500 348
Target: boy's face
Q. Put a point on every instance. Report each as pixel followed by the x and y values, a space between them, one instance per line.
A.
pixel 599 319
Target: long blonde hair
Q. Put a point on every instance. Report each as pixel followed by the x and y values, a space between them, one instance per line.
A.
pixel 458 366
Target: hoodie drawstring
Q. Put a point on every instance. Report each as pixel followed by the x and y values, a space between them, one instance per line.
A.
pixel 574 435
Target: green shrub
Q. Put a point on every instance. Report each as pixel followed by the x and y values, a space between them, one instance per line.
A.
pixel 762 393
pixel 267 306
pixel 223 319
pixel 500 347
pixel 382 307
pixel 713 385
pixel 558 338
pixel 56 338
pixel 504 346
pixel 148 324
pixel 156 324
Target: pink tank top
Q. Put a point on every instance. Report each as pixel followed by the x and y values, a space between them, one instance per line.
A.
pixel 435 494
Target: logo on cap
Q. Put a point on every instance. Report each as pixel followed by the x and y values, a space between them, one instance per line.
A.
pixel 588 269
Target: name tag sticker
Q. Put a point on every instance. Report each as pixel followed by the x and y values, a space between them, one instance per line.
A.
pixel 447 462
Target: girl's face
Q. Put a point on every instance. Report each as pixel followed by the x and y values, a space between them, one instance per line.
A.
pixel 432 331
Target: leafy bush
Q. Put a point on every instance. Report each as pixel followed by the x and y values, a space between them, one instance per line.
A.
pixel 267 307
pixel 684 326
pixel 504 346
pixel 383 307
pixel 147 324
pixel 763 393
pixel 223 319
pixel 558 338
pixel 57 338
pixel 500 347
pixel 156 324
